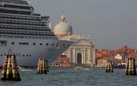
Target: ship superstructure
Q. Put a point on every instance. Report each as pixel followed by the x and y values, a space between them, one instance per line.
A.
pixel 26 34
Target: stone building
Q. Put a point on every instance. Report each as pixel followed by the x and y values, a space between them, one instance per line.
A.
pixel 82 51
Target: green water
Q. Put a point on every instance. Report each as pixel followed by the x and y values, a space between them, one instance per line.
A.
pixel 72 77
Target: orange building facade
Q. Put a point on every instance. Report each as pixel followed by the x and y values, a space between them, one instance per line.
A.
pixel 62 61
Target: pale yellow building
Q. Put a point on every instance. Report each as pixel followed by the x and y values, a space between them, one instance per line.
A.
pixel 82 51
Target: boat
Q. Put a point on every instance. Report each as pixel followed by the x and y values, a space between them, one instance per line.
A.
pixel 81 68
pixel 78 68
pixel 27 35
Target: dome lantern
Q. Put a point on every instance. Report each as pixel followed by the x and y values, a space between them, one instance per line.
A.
pixel 63 18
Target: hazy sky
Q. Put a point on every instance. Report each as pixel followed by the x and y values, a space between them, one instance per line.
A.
pixel 111 23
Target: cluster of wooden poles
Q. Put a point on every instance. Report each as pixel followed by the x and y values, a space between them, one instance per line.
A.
pixel 130 68
pixel 109 67
pixel 10 69
pixel 42 67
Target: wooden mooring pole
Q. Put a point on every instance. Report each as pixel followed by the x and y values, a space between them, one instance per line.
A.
pixel 41 69
pixel 4 69
pixel 47 67
pixel 10 69
pixel 108 67
pixel 15 71
pixel 130 68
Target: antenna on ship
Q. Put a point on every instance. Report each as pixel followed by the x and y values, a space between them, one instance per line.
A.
pixel 50 24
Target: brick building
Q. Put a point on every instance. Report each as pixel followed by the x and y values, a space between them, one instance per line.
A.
pixel 62 61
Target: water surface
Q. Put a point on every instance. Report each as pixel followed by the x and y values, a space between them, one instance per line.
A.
pixel 72 77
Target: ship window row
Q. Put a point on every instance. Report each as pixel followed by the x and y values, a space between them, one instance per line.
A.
pixel 23 43
pixel 24 27
pixel 20 7
pixel 19 17
pixel 26 43
pixel 15 12
pixel 26 33
pixel 26 55
pixel 18 55
pixel 4 43
pixel 22 22
pixel 27 37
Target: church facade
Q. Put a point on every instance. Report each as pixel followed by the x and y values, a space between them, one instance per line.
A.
pixel 82 51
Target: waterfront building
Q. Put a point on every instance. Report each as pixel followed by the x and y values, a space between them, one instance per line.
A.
pixel 120 53
pixel 120 56
pixel 123 58
pixel 103 61
pixel 82 51
pixel 62 61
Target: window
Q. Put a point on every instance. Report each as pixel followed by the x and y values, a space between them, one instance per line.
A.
pixel 12 43
pixel 34 43
pixel 3 43
pixel 47 44
pixel 40 43
pixel 23 43
pixel 56 64
pixel 57 44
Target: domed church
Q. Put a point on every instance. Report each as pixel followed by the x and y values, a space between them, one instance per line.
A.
pixel 63 28
pixel 82 51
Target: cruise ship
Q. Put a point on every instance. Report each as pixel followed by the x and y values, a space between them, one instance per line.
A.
pixel 27 35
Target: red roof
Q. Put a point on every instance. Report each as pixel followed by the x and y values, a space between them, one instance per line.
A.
pixel 109 58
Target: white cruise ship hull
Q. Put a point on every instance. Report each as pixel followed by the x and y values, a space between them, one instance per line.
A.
pixel 28 55
pixel 27 35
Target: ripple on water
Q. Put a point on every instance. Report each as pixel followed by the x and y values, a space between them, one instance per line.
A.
pixel 72 77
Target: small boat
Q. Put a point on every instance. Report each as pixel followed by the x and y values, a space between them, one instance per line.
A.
pixel 78 68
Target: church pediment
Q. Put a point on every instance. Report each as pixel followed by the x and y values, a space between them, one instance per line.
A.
pixel 81 42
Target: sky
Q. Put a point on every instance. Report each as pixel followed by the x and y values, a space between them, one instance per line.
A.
pixel 111 23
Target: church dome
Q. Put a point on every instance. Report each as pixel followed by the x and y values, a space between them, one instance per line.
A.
pixel 63 27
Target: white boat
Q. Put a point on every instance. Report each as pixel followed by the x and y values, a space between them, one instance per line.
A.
pixel 81 68
pixel 78 68
pixel 27 34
